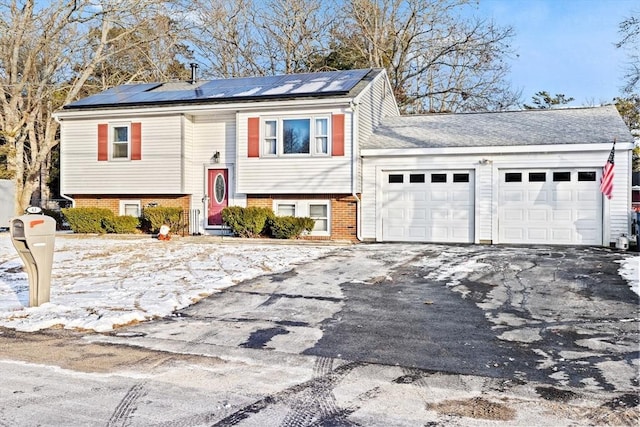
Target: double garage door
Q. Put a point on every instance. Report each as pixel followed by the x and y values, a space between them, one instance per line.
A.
pixel 546 206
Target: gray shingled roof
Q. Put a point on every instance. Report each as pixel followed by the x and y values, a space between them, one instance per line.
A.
pixel 527 127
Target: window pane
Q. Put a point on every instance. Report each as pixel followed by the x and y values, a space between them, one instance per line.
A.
pixel 513 177
pixel 295 136
pixel 416 177
pixel 120 151
pixel 318 211
pixel 270 146
pixel 562 176
pixel 120 134
pixel 438 177
pixel 320 225
pixel 286 210
pixel 537 176
pixel 321 127
pixel 586 176
pixel 270 128
pixel 395 179
pixel 131 209
pixel 321 145
pixel 460 177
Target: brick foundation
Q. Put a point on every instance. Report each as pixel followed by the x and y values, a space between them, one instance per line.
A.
pixel 112 201
pixel 343 212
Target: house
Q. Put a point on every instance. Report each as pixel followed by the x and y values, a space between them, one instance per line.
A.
pixel 334 147
pixel 285 142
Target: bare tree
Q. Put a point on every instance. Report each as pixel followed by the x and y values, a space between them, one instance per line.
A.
pixel 247 37
pixel 437 60
pixel 48 51
pixel 629 30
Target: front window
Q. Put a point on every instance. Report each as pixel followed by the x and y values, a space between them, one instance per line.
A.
pixel 120 142
pixel 295 136
pixel 286 209
pixel 318 210
pixel 130 207
pixel 270 137
pixel 320 213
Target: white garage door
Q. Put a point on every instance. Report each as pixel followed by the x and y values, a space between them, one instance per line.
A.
pixel 556 206
pixel 428 206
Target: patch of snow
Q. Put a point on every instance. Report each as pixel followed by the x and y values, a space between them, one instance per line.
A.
pixel 630 270
pixel 99 283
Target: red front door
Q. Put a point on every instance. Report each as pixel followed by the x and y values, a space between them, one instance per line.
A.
pixel 217 192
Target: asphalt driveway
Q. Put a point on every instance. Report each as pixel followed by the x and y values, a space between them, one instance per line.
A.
pixel 556 315
pixel 400 334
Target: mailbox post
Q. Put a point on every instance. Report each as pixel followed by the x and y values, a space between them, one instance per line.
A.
pixel 33 236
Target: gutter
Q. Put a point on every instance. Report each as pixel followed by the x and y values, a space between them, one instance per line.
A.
pixel 64 196
pixel 354 167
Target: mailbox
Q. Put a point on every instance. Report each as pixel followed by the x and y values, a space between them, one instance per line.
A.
pixel 33 236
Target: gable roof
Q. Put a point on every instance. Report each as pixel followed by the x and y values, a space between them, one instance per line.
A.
pixel 290 86
pixel 511 128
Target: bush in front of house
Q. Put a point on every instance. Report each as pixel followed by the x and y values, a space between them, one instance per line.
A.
pixel 247 222
pixel 290 227
pixel 124 224
pixel 155 217
pixel 57 215
pixel 88 220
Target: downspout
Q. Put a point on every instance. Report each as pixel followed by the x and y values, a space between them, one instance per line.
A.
pixel 64 196
pixel 354 167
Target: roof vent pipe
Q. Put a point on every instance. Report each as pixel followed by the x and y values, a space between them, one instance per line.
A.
pixel 194 69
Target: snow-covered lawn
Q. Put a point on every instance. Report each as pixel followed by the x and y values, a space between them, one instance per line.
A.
pixel 99 283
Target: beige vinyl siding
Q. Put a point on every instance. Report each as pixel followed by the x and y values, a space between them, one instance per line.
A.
pixel 374 104
pixel 615 214
pixel 293 174
pixel 211 133
pixel 189 173
pixel 159 171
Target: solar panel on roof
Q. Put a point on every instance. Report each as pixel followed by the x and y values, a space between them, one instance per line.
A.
pixel 329 82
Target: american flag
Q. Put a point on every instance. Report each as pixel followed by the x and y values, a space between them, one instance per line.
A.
pixel 606 182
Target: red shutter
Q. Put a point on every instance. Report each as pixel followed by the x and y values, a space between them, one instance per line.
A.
pixel 103 142
pixel 337 135
pixel 136 141
pixel 253 129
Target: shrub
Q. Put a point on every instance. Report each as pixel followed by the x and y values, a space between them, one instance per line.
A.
pixel 57 215
pixel 155 217
pixel 121 224
pixel 289 227
pixel 247 222
pixel 88 220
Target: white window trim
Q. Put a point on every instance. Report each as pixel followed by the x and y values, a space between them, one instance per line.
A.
pixel 280 138
pixel 302 209
pixel 130 202
pixel 112 142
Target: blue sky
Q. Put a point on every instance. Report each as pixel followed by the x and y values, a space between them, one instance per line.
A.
pixel 565 46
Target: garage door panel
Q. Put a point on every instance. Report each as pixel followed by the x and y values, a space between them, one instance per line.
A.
pixel 586 196
pixel 562 215
pixel 513 196
pixel 439 196
pixel 514 214
pixel 562 196
pixel 538 234
pixel 554 211
pixel 438 208
pixel 538 215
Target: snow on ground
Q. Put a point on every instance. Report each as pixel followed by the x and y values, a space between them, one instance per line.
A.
pixel 630 270
pixel 99 283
